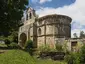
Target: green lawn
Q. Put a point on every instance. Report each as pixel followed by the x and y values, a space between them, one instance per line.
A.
pixel 21 57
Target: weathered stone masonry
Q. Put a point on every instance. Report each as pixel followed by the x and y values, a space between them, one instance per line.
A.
pixel 44 30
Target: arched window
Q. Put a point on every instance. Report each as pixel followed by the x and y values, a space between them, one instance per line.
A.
pixel 39 31
pixel 27 17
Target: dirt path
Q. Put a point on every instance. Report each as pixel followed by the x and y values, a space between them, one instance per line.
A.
pixel 3 48
pixel 2 51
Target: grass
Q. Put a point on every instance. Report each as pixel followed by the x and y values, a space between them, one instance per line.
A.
pixel 16 57
pixel 22 57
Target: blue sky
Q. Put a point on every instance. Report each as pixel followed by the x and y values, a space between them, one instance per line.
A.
pixel 50 3
pixel 72 8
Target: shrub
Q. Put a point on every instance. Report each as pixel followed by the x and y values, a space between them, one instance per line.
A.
pixel 13 37
pixel 65 47
pixel 82 55
pixel 59 47
pixel 72 58
pixel 69 59
pixel 2 38
pixel 44 48
pixel 29 46
pixel 79 57
pixel 7 42
pixel 10 37
pixel 14 45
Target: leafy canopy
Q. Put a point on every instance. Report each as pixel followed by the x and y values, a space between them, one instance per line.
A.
pixel 11 12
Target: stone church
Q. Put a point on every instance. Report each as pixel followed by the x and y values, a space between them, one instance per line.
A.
pixel 44 30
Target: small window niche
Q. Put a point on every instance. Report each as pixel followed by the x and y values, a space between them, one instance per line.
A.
pixel 39 31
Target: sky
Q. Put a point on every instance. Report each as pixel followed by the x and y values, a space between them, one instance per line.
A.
pixel 72 8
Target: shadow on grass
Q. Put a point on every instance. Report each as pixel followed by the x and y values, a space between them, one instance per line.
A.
pixel 9 48
pixel 5 48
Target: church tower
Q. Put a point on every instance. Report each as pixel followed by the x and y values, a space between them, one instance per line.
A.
pixel 30 13
pixel 30 16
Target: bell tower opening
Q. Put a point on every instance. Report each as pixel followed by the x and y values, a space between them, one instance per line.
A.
pixel 26 16
pixel 30 13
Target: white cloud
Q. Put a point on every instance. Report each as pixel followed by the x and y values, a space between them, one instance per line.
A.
pixel 76 25
pixel 76 11
pixel 40 1
pixel 43 1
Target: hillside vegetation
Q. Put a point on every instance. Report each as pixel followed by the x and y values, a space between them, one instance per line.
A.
pixel 22 57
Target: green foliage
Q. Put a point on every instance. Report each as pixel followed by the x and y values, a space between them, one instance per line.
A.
pixel 75 35
pixel 65 47
pixel 13 37
pixel 82 55
pixel 67 58
pixel 2 38
pixel 10 37
pixel 7 42
pixel 22 57
pixel 46 48
pixel 11 12
pixel 59 47
pixel 82 34
pixel 16 57
pixel 14 45
pixel 77 58
pixel 73 58
pixel 29 46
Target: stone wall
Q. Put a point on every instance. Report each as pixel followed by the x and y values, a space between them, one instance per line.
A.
pixel 52 27
pixel 46 29
pixel 40 41
pixel 50 41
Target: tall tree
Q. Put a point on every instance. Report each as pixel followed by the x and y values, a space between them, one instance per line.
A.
pixel 11 12
pixel 82 34
pixel 75 35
